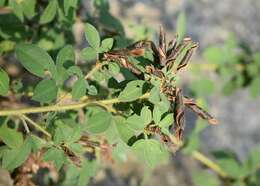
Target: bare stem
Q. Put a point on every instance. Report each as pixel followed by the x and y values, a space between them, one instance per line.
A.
pixel 93 70
pixel 209 163
pixel 25 125
pixel 35 125
pixel 73 106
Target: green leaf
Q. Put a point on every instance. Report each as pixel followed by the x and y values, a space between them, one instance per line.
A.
pixel 64 60
pixel 214 55
pixel 136 123
pixel 75 70
pixel 17 9
pixel 164 104
pixel 132 91
pixel 69 4
pixel 181 26
pixel 88 170
pixel 124 131
pixel 55 155
pixel 146 115
pixel 15 157
pixel 66 134
pixel 29 8
pixel 203 178
pixel 6 46
pixel 72 175
pixel 254 87
pixel 228 162
pixel 99 122
pixel 92 36
pixel 49 12
pixel 45 91
pixel 154 95
pixel 253 162
pixel 113 68
pixel 92 90
pixel 66 54
pixel 157 114
pixel 118 131
pixel 76 148
pixel 36 142
pixel 34 59
pixel 79 89
pixel 120 151
pixel 166 121
pixel 4 83
pixel 88 54
pixel 2 2
pixel 11 137
pixel 151 152
pixel 106 45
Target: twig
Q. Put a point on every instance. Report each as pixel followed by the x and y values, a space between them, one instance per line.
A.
pixel 25 125
pixel 34 124
pixel 79 105
pixel 93 70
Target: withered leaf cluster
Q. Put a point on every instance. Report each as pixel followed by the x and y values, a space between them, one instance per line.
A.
pixel 169 57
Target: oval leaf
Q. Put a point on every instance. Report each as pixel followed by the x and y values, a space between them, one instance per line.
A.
pixel 34 59
pixel 132 91
pixel 11 137
pixel 55 155
pixel 157 114
pixel 136 123
pixel 4 82
pixel 88 54
pixel 166 121
pixel 151 152
pixel 15 157
pixel 146 115
pixel 106 44
pixel 49 12
pixel 99 122
pixel 79 89
pixel 92 36
pixel 46 91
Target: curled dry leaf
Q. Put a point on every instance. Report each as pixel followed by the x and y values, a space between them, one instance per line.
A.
pixel 172 57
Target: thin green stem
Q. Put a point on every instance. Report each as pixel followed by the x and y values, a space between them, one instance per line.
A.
pixel 209 163
pixel 73 106
pixel 32 110
pixel 93 70
pixel 35 125
pixel 25 125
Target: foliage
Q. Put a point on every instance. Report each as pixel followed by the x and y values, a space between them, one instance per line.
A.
pixel 237 65
pixel 122 97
